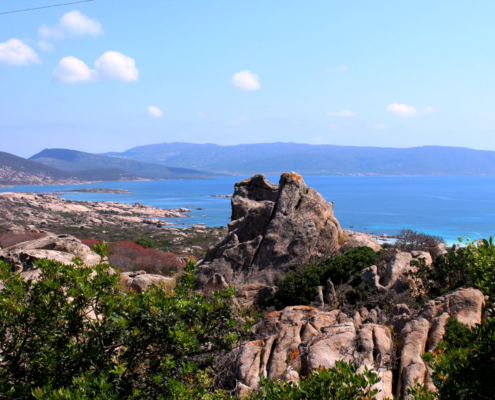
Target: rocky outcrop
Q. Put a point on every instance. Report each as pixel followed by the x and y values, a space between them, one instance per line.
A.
pixel 357 239
pixel 424 331
pixel 300 339
pixel 62 248
pixel 274 229
pixel 395 276
pixel 140 280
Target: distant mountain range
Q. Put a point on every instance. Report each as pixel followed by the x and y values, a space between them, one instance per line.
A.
pixel 61 167
pixel 276 158
pixel 75 161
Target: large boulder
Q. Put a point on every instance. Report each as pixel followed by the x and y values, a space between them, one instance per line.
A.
pixel 357 239
pixel 140 280
pixel 425 329
pixel 396 275
pixel 62 248
pixel 274 229
pixel 300 339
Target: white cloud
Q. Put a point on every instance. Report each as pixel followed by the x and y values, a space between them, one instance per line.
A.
pixel 15 53
pixel 429 110
pixel 344 113
pixel 45 46
pixel 403 110
pixel 73 23
pixel 72 70
pixel 111 65
pixel 116 66
pixel 380 126
pixel 202 114
pixel 246 80
pixel 340 68
pixel 154 112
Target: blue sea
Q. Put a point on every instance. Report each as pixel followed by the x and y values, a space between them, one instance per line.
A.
pixel 450 207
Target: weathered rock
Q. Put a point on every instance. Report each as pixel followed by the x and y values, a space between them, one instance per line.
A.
pixel 427 328
pixel 302 339
pixel 395 276
pixel 144 281
pixel 274 229
pixel 355 239
pixel 62 248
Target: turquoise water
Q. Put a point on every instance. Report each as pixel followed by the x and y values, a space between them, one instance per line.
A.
pixel 446 206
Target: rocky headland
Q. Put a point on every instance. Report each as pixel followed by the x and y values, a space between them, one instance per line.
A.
pixel 274 231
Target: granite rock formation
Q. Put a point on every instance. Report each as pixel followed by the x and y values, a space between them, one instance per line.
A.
pixel 296 340
pixel 274 229
pixel 62 248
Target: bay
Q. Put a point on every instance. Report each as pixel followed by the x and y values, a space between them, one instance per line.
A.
pixel 450 207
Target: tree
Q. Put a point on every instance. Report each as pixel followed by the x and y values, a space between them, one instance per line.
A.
pixel 75 332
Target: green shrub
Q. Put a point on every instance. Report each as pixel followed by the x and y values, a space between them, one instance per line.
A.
pixel 146 243
pixel 463 363
pixel 341 382
pixel 140 346
pixel 301 286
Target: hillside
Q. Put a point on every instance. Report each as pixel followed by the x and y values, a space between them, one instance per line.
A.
pixel 19 171
pixel 275 158
pixel 74 161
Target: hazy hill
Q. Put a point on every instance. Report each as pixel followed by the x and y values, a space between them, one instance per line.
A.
pixel 275 158
pixel 19 171
pixel 74 161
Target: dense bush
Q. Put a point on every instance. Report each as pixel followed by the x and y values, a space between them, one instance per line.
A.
pixel 409 240
pixel 12 238
pixel 145 242
pixel 340 382
pixel 301 286
pixel 75 335
pixel 131 256
pixel 463 363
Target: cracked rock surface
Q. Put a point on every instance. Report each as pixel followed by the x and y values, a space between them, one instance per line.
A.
pixel 274 229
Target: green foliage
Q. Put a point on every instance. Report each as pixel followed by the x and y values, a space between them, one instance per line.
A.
pixel 139 346
pixel 469 266
pixel 464 361
pixel 101 249
pixel 146 243
pixel 301 287
pixel 340 382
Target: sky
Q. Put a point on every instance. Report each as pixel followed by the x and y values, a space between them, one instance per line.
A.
pixel 108 75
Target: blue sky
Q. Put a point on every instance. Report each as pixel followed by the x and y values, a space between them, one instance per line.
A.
pixel 112 74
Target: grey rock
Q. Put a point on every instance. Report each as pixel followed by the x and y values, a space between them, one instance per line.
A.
pixel 274 229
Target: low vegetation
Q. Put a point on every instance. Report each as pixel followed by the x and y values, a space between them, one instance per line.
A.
pixel 301 286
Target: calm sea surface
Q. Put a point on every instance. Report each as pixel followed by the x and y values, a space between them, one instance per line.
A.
pixel 450 207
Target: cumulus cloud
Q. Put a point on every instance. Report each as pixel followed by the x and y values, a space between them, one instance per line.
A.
pixel 154 112
pixel 116 66
pixel 72 70
pixel 340 68
pixel 45 46
pixel 73 23
pixel 15 53
pixel 403 110
pixel 246 80
pixel 111 65
pixel 343 113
